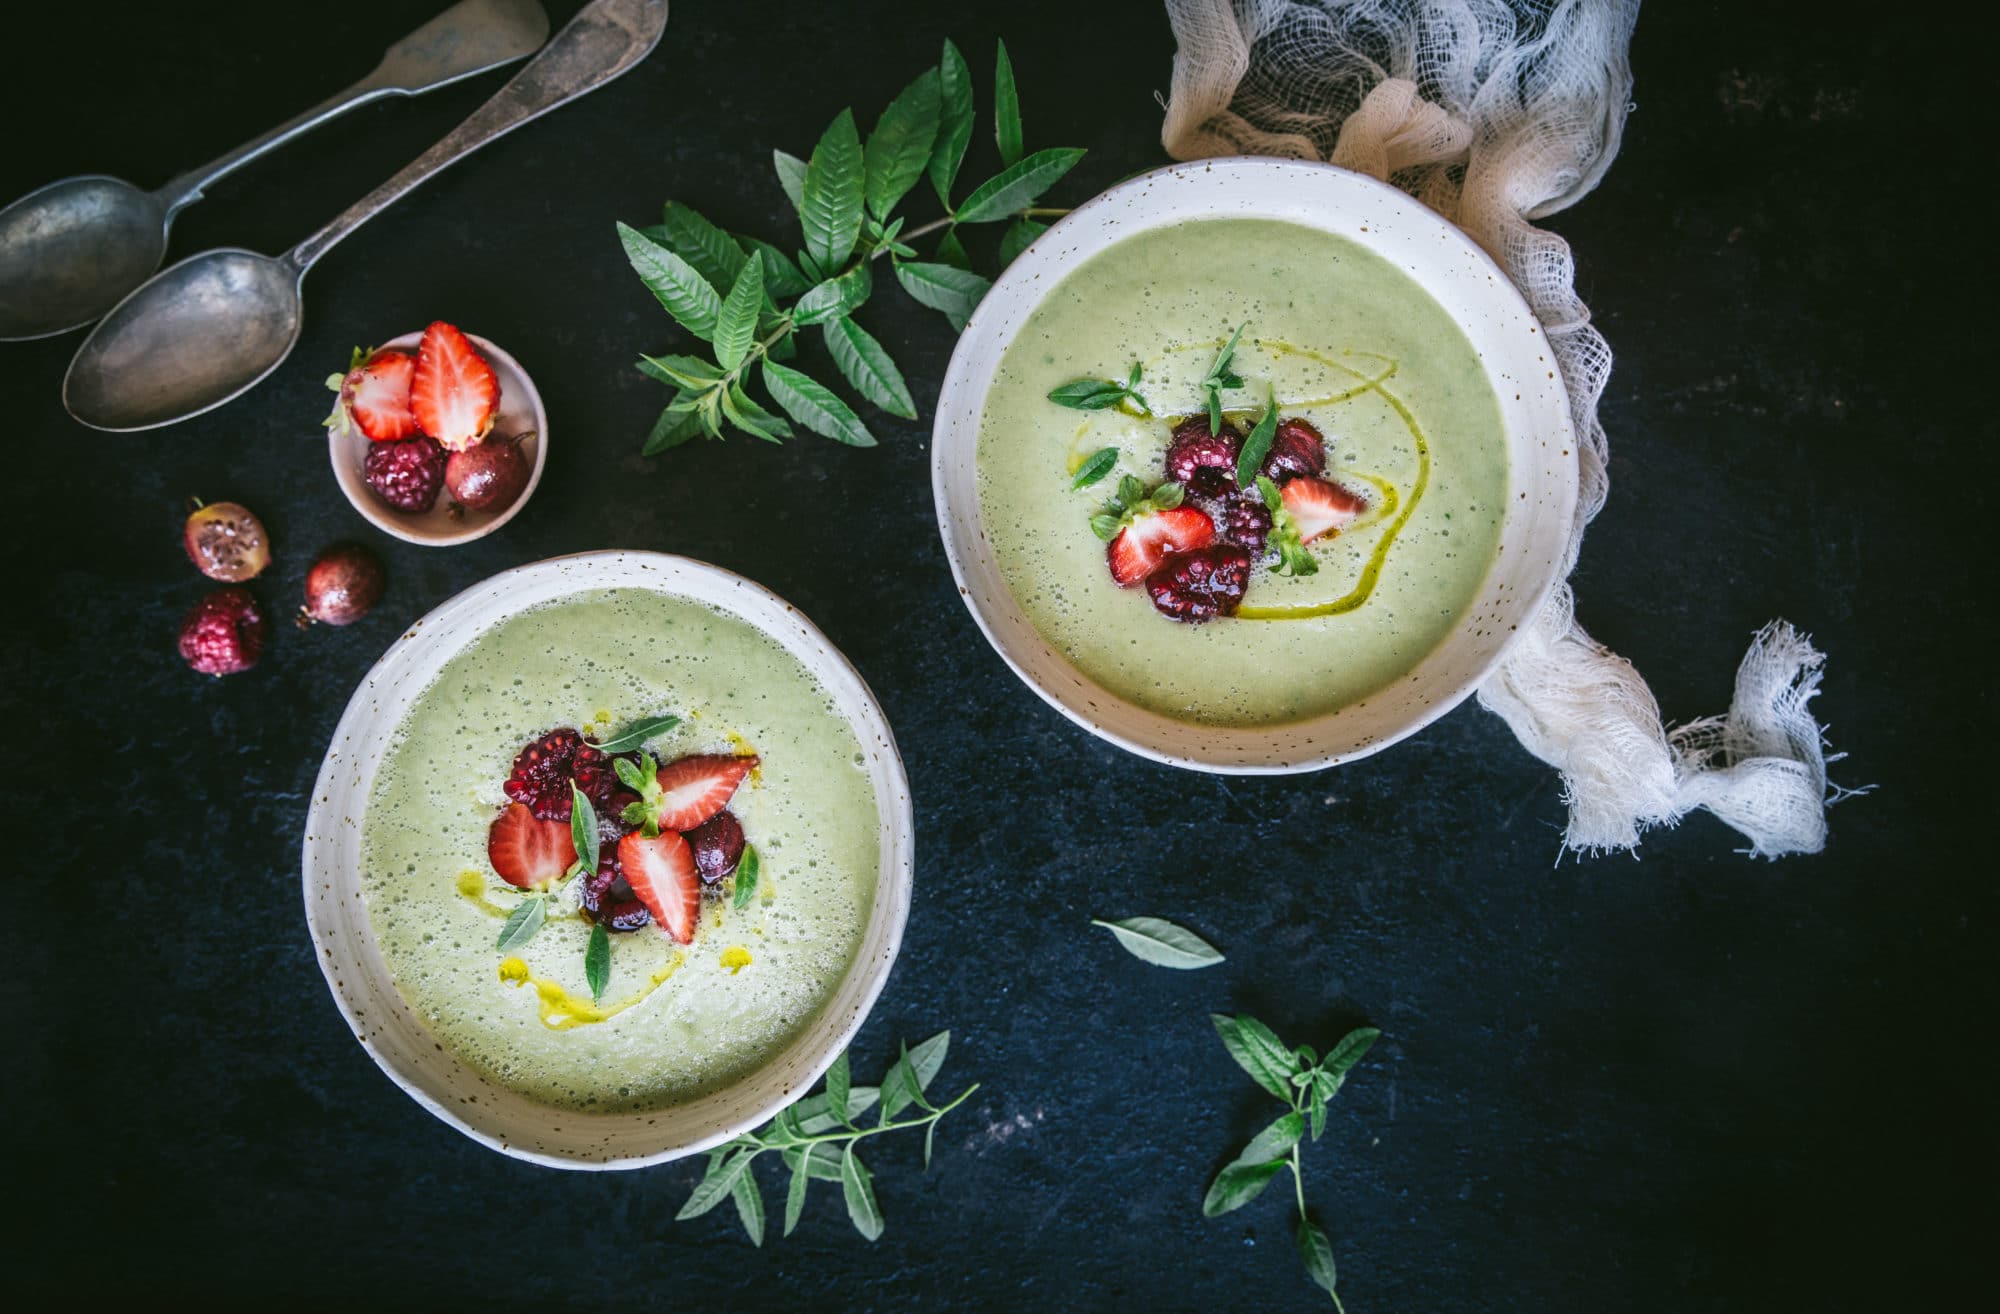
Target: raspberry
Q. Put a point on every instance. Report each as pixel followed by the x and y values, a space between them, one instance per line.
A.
pixel 608 900
pixel 1296 449
pixel 544 769
pixel 717 845
pixel 1244 520
pixel 1200 585
pixel 224 633
pixel 1203 462
pixel 406 474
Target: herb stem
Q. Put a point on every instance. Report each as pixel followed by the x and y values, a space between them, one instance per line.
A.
pixel 859 1132
pixel 1043 212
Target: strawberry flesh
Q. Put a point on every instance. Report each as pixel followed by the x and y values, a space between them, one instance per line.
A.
pixel 662 873
pixel 453 392
pixel 1319 506
pixel 696 788
pixel 1151 538
pixel 377 394
pixel 526 851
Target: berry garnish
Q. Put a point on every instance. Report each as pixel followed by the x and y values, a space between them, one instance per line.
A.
pixel 406 474
pixel 454 392
pixel 1201 460
pixel 1319 507
pixel 1244 520
pixel 490 474
pixel 375 395
pixel 343 584
pixel 693 789
pixel 660 869
pixel 226 542
pixel 526 850
pixel 1201 585
pixel 607 897
pixel 224 633
pixel 1152 536
pixel 1296 450
pixel 544 770
pixel 717 845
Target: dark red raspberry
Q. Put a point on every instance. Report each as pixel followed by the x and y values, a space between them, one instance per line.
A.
pixel 544 769
pixel 1296 449
pixel 718 846
pixel 1244 520
pixel 1203 462
pixel 224 633
pixel 406 474
pixel 1202 584
pixel 608 900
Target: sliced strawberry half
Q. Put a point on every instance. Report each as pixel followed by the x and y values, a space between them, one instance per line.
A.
pixel 662 872
pixel 527 851
pixel 693 789
pixel 1153 537
pixel 377 395
pixel 1320 506
pixel 454 392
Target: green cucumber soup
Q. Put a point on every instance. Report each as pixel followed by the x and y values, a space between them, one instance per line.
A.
pixel 673 1022
pixel 1344 339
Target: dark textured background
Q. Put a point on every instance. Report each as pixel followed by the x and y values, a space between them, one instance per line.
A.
pixel 1686 1082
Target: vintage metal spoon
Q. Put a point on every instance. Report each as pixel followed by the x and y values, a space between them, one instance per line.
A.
pixel 69 251
pixel 206 329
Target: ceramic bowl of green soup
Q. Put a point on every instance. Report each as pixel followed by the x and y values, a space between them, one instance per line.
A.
pixel 608 859
pixel 1253 465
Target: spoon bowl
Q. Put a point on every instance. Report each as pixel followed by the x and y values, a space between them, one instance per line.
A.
pixel 70 250
pixel 192 338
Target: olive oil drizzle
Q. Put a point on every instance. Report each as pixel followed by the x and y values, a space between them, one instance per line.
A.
pixel 561 1010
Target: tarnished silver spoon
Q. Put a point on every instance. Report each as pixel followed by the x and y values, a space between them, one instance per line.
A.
pixel 207 329
pixel 69 251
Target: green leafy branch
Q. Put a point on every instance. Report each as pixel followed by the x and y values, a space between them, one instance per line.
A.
pixel 1305 1083
pixel 748 300
pixel 817 1140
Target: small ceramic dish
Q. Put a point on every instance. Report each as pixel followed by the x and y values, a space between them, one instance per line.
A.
pixel 391 1032
pixel 1541 450
pixel 520 412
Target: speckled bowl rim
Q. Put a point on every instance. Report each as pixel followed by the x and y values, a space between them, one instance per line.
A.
pixel 344 451
pixel 1391 223
pixel 389 1030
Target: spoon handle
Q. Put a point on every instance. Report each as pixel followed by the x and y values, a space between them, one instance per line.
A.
pixel 470 37
pixel 606 38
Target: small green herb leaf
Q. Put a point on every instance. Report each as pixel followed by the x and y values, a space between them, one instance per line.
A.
pixel 956 292
pixel 736 323
pixel 900 146
pixel 1317 1253
pixel 1017 186
pixel 1318 1106
pixel 813 405
pixel 713 1189
pixel 690 372
pixel 951 251
pixel 830 210
pixel 749 1205
pixel 669 431
pixel 1258 445
pixel 835 297
pixel 583 828
pixel 837 1081
pixel 522 923
pixel 597 962
pixel 1161 942
pixel 795 1194
pixel 638 734
pixel 858 1185
pixel 1089 395
pixel 1255 1055
pixel 714 254
pixel 687 296
pixel 1006 108
pixel 1020 235
pixel 1221 376
pixel 1275 1141
pixel 911 1075
pixel 791 176
pixel 955 117
pixel 1106 526
pixel 746 878
pixel 1101 463
pixel 864 363
pixel 782 276
pixel 1352 1047
pixel 816 1114
pixel 1237 1185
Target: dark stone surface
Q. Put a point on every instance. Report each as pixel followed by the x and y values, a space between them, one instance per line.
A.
pixel 1687 1082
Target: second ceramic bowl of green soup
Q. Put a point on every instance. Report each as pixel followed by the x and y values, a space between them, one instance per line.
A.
pixel 576 1030
pixel 1364 315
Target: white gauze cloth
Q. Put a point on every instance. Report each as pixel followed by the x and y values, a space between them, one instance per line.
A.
pixel 1493 114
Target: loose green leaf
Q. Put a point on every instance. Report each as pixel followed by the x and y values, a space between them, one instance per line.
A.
pixel 1239 1184
pixel 671 430
pixel 1017 186
pixel 1019 236
pixel 1088 395
pixel 951 251
pixel 1275 1141
pixel 687 296
pixel 791 176
pixel 746 878
pixel 736 324
pixel 1318 1106
pixel 714 254
pixel 583 828
pixel 900 146
pixel 1100 464
pixel 749 1205
pixel 1253 1056
pixel 597 962
pixel 837 1082
pixel 753 419
pixel 713 1189
pixel 1317 1252
pixel 956 292
pixel 858 1185
pixel 1352 1047
pixel 830 210
pixel 638 734
pixel 523 922
pixel 814 406
pixel 1156 940
pixel 835 297
pixel 1258 445
pixel 782 276
pixel 1221 376
pixel 863 363
pixel 795 1194
pixel 1006 108
pixel 955 116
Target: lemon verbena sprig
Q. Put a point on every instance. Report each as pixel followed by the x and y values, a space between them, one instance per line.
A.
pixel 1102 395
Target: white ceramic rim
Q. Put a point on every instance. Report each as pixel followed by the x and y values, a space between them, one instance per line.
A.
pixel 403 1047
pixel 1541 499
pixel 519 398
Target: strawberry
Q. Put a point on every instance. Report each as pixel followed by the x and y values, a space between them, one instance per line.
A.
pixel 527 851
pixel 693 789
pixel 375 396
pixel 454 392
pixel 1153 537
pixel 661 871
pixel 1319 506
